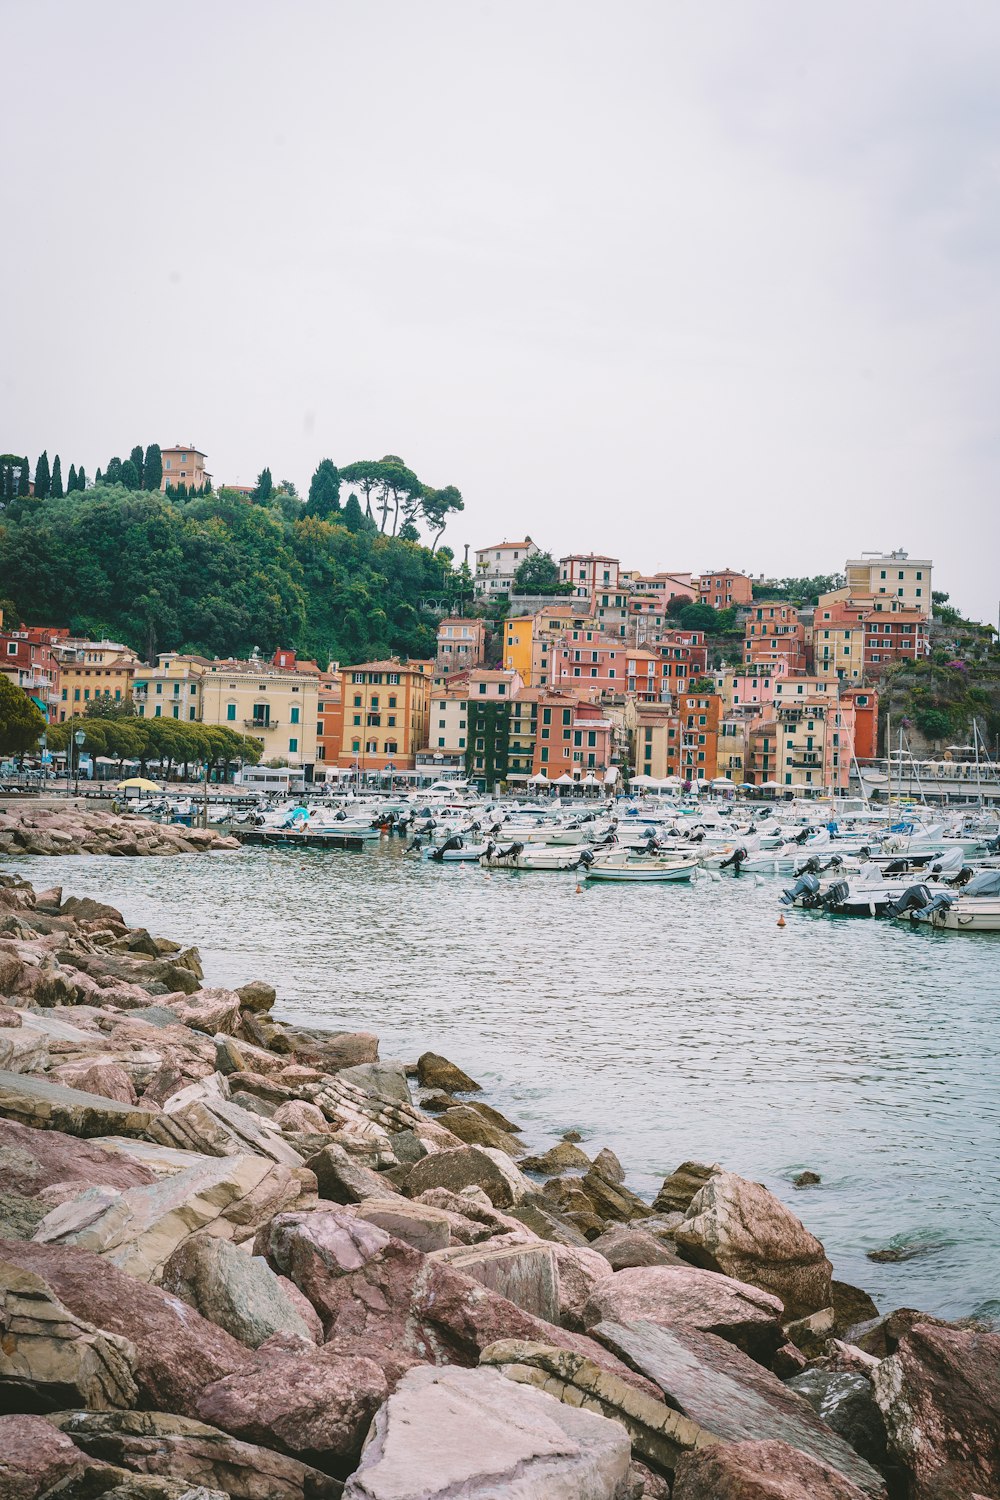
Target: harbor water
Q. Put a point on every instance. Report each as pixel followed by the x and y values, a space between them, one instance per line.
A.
pixel 665 1021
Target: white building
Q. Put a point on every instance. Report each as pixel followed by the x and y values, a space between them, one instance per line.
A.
pixel 496 566
pixel 589 574
pixel 906 578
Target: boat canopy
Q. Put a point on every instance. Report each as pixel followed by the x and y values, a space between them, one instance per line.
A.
pixel 987 883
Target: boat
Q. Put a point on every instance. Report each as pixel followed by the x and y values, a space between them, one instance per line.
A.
pixel 974 909
pixel 517 856
pixel 454 849
pixel 641 869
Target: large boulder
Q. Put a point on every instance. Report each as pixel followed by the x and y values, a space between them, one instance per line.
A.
pixel 49 1358
pixel 939 1395
pixel 156 1442
pixel 416 1224
pixel 470 1166
pixel 237 1291
pixel 683 1296
pixel 846 1402
pixel 526 1274
pixel 315 1404
pixel 177 1352
pixel 341 1178
pixel 723 1390
pixel 627 1245
pixel 762 1470
pixel 37 1460
pixel 677 1190
pixel 470 1432
pixel 52 1106
pixel 329 1050
pixel 31 1160
pixel 739 1228
pixel 97 1075
pixel 139 1229
pixel 436 1072
pixel 472 1127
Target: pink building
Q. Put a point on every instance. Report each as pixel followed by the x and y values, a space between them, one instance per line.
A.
pixel 461 643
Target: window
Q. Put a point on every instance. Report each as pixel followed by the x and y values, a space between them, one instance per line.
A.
pixel 357 718
pixel 11 648
pixel 295 714
pixel 231 712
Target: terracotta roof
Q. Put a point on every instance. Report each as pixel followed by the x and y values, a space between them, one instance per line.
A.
pixel 496 546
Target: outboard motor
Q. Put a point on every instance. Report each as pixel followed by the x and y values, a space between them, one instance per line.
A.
pixel 586 859
pixel 806 885
pixel 454 842
pixel 803 837
pixel 836 895
pixel 914 898
pixel 735 860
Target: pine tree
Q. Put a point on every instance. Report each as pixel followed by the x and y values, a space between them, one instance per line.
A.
pixel 71 481
pixel 113 473
pixel 130 475
pixel 24 478
pixel 56 484
pixel 81 479
pixel 43 479
pixel 152 468
pixel 324 491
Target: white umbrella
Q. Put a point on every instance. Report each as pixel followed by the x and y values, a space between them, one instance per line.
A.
pixel 770 786
pixel 564 780
pixel 671 781
pixel 723 781
pixel 590 779
pixel 644 781
pixel 540 780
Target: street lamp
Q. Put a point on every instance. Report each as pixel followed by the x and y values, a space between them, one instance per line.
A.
pixel 79 738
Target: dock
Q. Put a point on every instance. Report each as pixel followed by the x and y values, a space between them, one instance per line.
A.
pixel 289 838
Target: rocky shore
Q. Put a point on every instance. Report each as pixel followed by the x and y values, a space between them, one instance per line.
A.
pixel 243 1258
pixel 29 829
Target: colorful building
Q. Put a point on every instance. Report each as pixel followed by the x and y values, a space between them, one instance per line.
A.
pixel 894 574
pixel 93 669
pixel 590 573
pixel 34 666
pixel 461 643
pixel 496 566
pixel 385 708
pixel 774 632
pixel 529 641
pixel 694 754
pixel 184 466
pixel 724 589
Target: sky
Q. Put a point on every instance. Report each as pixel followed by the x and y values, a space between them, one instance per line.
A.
pixel 695 285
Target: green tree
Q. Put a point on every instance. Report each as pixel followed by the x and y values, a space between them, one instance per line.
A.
pixel 56 483
pixel 21 724
pixel 152 468
pixel 536 574
pixel 130 475
pixel 697 617
pixel 43 479
pixel 367 476
pixel 933 723
pixel 354 518
pixel 113 473
pixel 71 481
pixel 264 487
pixel 98 478
pixel 436 506
pixel 81 479
pixel 137 462
pixel 324 491
pixel 9 483
pixel 24 478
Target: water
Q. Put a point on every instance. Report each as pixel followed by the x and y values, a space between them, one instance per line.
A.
pixel 666 1021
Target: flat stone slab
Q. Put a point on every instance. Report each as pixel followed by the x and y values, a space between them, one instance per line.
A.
pixel 725 1391
pixel 52 1106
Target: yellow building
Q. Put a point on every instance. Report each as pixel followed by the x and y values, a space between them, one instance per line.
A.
pixel 528 641
pixel 276 706
pixel 92 669
pixel 894 574
pixel 184 466
pixel 385 706
pixel 655 730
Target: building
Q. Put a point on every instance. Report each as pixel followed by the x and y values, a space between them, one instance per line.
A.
pixel 752 687
pixel 557 734
pixel 694 753
pixel 865 705
pixel 774 632
pixel 590 574
pixel 814 734
pixel 184 465
pixel 329 718
pixel 724 589
pixel 461 644
pixel 584 662
pixel 654 728
pixel 892 573
pixel 496 566
pixel 529 640
pixel 487 752
pixel 663 586
pixel 33 665
pixel 274 705
pixel 93 669
pixel 385 709
pixel 838 642
pixel 883 630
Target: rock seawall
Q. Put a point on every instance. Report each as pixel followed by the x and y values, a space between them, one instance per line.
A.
pixel 241 1258
pixel 40 830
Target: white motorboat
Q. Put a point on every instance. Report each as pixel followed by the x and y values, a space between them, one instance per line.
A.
pixel 976 908
pixel 641 869
pixel 517 856
pixel 455 850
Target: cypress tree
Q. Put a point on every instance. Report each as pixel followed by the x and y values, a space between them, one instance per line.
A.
pixel 71 481
pixel 136 457
pixel 24 478
pixel 353 518
pixel 43 479
pixel 152 468
pixel 264 487
pixel 56 484
pixel 98 478
pixel 324 491
pixel 130 475
pixel 81 478
pixel 113 473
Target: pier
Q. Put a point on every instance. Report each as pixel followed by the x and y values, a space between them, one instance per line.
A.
pixel 288 837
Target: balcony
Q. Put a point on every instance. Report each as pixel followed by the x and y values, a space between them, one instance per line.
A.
pixel 260 725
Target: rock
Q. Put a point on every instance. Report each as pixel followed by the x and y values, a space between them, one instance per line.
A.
pixel 155 1442
pixel 86 910
pixel 478 1166
pixel 538 1216
pixel 31 1160
pixel 331 1050
pixel 493 1115
pixel 257 996
pixel 627 1245
pixel 806 1179
pixel 567 1194
pixel 97 1075
pixel 297 1114
pixel 437 1103
pixel 342 1179
pixel 846 1403
pixel 230 1056
pixel 788 1361
pixel 197 1120
pixel 51 1106
pixel 770 1470
pixel 680 1187
pixel 881 1336
pixel 580 1271
pixel 436 1072
pixel 607 1165
pixel 646 1485
pixel 812 1333
pixel 235 1291
pixel 674 1296
pixel 658 1435
pixel 209 1010
pixel 475 1130
pixel 140 1229
pixel 723 1390
pixel 177 1352
pixel 10 1019
pixel 36 1459
pixel 23 1049
pixel 850 1305
pixel 19 1215
pixel 939 1396
pixel 739 1228
pixel 49 1358
pixel 848 1359
pixel 314 1404
pixel 470 1432
pixel 612 1201
pixel 562 1157
pixel 387 1079
pixel 525 1274
pixel 416 1224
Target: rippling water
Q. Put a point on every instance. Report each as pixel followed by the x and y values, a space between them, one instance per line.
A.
pixel 666 1021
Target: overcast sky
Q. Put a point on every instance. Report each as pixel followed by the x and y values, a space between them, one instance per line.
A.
pixel 695 284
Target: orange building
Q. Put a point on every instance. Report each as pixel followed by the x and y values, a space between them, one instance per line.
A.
pixel 694 753
pixel 384 709
pixel 775 632
pixel 329 718
pixel 865 704
pixel 724 589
